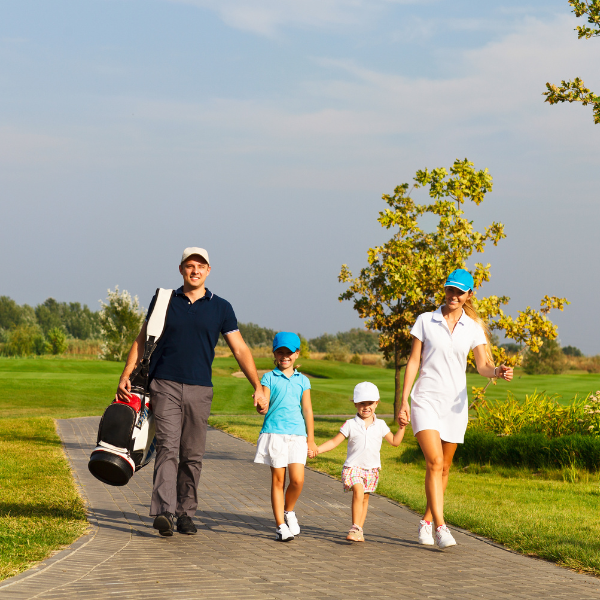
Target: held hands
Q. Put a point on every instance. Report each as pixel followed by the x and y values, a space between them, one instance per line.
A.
pixel 260 402
pixel 313 450
pixel 504 372
pixel 404 415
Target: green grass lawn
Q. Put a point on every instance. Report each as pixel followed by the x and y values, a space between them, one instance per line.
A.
pixel 546 517
pixel 40 511
pixel 67 388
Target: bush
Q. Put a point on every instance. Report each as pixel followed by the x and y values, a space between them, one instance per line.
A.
pixel 24 340
pixel 548 361
pixel 337 351
pixel 304 348
pixel 121 319
pixel 356 359
pixel 539 413
pixel 531 450
pixel 57 341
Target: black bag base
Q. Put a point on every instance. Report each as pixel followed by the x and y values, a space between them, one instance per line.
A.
pixel 110 468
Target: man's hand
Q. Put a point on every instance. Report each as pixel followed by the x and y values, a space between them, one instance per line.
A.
pixel 124 389
pixel 260 402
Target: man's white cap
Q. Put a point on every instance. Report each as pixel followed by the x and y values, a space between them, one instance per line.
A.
pixel 199 251
pixel 366 392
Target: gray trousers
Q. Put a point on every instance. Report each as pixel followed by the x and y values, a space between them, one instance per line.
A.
pixel 181 415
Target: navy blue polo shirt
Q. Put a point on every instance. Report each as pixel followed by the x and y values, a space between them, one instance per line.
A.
pixel 186 349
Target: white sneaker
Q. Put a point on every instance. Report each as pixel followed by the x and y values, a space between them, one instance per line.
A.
pixel 283 533
pixel 292 522
pixel 425 533
pixel 444 537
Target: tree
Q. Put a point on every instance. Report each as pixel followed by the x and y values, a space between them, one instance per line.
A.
pixel 405 276
pixel 121 319
pixel 575 91
pixel 57 341
pixel 548 361
pixel 25 339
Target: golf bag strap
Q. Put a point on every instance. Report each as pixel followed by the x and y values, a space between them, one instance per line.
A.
pixel 154 330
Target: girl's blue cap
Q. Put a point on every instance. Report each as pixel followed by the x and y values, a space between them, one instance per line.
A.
pixel 461 279
pixel 286 339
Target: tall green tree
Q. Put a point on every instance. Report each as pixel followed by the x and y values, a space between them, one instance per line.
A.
pixel 405 276
pixel 121 319
pixel 575 90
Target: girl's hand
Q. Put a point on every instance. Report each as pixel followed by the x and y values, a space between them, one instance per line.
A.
pixel 313 450
pixel 505 372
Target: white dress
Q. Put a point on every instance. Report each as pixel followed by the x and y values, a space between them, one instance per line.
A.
pixel 439 398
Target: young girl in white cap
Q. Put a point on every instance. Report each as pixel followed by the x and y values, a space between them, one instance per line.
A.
pixel 440 407
pixel 287 433
pixel 360 473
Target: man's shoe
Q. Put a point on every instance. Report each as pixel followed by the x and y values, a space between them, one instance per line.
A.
pixel 444 537
pixel 283 533
pixel 186 525
pixel 292 522
pixel 164 524
pixel 425 534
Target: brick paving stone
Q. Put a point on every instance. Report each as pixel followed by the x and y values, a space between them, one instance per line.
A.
pixel 234 554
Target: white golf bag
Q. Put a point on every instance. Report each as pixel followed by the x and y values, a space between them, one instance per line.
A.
pixel 126 441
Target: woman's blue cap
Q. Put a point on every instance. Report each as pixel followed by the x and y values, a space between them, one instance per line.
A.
pixel 286 339
pixel 461 279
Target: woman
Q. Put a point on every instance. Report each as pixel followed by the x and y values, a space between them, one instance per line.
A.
pixel 440 407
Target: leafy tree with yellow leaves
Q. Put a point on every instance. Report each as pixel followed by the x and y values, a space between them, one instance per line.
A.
pixel 405 276
pixel 575 91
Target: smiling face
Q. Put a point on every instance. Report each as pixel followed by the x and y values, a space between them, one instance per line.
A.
pixel 285 358
pixel 366 409
pixel 194 270
pixel 455 298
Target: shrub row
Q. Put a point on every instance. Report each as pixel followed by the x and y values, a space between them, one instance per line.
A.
pixel 532 450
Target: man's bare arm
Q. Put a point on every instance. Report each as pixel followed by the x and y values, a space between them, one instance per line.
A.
pixel 244 358
pixel 133 358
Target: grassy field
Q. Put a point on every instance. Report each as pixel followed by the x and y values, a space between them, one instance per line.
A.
pixel 538 514
pixel 67 388
pixel 40 510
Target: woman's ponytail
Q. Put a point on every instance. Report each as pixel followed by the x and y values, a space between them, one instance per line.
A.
pixel 472 313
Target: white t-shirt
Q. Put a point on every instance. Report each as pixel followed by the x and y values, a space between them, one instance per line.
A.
pixel 364 443
pixel 444 356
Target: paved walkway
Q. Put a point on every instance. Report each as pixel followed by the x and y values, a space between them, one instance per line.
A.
pixel 234 554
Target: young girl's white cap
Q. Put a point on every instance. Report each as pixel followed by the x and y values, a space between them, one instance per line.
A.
pixel 366 392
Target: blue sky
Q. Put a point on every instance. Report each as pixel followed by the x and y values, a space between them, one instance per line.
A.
pixel 267 131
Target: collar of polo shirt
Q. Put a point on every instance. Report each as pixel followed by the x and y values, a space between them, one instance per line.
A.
pixel 438 316
pixel 208 294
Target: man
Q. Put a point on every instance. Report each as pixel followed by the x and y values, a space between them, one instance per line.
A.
pixel 181 388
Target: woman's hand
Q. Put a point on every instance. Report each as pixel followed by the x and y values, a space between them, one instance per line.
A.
pixel 404 414
pixel 504 372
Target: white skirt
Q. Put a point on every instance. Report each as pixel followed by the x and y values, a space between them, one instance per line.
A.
pixel 449 419
pixel 279 449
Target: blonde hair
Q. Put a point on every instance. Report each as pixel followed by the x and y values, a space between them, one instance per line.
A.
pixel 473 314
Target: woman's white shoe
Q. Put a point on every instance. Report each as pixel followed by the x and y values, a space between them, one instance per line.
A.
pixel 443 537
pixel 425 534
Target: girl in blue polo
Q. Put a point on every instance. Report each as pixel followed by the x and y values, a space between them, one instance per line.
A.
pixel 287 432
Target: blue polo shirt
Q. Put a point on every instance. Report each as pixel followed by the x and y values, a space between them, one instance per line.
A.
pixel 186 349
pixel 285 403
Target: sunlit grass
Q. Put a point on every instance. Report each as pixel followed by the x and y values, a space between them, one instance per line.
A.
pixel 40 509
